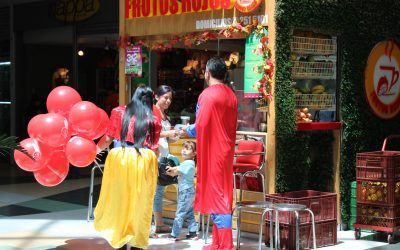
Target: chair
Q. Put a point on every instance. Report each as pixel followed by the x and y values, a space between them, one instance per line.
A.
pixel 250 159
pixel 90 215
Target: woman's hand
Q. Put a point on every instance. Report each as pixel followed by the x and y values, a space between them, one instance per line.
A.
pixel 172 133
pixel 172 171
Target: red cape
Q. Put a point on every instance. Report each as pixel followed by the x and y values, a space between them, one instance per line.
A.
pixel 216 133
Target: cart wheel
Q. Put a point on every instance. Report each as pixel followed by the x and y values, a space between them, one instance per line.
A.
pixel 390 238
pixel 357 233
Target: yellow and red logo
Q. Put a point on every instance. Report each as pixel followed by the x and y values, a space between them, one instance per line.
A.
pixel 247 6
pixel 382 83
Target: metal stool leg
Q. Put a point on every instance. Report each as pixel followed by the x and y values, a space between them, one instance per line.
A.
pixel 238 222
pixel 313 228
pixel 277 237
pixel 208 226
pixel 297 230
pixel 260 233
pixel 202 226
pixel 90 205
pixel 271 228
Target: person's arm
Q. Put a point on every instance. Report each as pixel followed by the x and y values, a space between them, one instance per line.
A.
pixel 186 168
pixel 172 171
pixel 104 142
pixel 170 133
pixel 191 130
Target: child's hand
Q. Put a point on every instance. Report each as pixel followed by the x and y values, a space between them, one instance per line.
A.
pixel 172 171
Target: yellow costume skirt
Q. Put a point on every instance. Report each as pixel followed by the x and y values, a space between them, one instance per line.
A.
pixel 123 212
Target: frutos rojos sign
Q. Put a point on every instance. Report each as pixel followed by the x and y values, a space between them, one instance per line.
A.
pixel 382 83
pixel 149 8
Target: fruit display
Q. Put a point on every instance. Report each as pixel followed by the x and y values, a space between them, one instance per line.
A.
pixel 318 89
pixel 378 192
pixel 374 191
pixel 386 216
pixel 302 115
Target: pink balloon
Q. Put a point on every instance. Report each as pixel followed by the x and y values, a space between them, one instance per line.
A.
pixel 50 129
pixel 84 117
pixel 101 128
pixel 55 171
pixel 61 99
pixel 80 152
pixel 39 152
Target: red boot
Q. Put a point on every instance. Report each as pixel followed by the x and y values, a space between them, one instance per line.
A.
pixel 225 238
pixel 215 242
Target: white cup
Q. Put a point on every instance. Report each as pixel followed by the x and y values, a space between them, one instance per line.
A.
pixel 185 120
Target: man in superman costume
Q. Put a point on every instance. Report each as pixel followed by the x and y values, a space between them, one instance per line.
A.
pixel 215 132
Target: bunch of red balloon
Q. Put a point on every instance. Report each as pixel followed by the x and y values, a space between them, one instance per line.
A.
pixel 62 136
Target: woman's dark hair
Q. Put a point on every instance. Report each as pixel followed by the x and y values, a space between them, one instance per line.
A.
pixel 141 108
pixel 163 89
pixel 217 68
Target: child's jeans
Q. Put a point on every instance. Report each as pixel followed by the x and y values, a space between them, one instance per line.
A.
pixel 158 198
pixel 184 211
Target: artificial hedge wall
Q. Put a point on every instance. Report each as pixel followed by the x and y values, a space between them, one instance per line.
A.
pixel 359 25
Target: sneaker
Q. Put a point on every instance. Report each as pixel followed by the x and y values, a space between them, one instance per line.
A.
pixel 192 235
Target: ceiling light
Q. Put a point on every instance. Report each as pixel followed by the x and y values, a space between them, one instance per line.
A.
pixel 80 53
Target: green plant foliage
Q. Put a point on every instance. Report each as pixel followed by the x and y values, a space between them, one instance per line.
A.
pixel 8 144
pixel 359 24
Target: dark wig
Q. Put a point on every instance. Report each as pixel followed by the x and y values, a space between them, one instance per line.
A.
pixel 163 89
pixel 141 108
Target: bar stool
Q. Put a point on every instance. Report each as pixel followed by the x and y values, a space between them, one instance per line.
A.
pixel 266 207
pixel 90 215
pixel 296 208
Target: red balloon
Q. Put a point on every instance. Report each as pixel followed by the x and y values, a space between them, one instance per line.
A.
pixel 101 129
pixel 80 152
pixel 50 128
pixel 55 171
pixel 39 152
pixel 61 99
pixel 84 117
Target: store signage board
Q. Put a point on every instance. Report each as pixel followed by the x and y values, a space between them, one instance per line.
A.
pixel 382 82
pixel 216 23
pixel 151 8
pixel 247 6
pixel 251 70
pixel 74 10
pixel 133 63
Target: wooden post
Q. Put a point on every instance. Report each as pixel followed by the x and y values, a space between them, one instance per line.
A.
pixel 271 138
pixel 123 88
pixel 336 168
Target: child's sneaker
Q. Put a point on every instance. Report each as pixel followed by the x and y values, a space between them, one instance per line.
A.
pixel 192 235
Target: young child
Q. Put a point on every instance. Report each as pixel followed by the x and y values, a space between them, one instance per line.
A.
pixel 186 191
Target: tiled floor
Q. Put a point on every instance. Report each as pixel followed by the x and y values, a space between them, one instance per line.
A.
pixel 35 217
